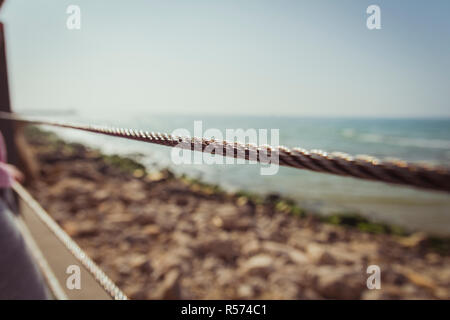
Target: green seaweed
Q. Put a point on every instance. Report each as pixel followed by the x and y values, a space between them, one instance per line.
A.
pixel 439 244
pixel 355 220
pixel 124 163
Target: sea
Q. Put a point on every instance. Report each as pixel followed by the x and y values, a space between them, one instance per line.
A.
pixel 412 140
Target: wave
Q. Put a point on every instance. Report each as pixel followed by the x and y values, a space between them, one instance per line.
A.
pixel 398 141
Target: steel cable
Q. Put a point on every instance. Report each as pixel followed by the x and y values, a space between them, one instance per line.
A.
pixel 363 167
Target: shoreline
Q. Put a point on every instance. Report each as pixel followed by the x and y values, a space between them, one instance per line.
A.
pixel 412 209
pixel 325 211
pixel 97 197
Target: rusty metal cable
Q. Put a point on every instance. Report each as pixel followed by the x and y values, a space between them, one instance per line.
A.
pixel 73 248
pixel 363 167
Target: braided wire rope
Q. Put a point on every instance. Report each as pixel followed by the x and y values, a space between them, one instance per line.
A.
pixel 338 163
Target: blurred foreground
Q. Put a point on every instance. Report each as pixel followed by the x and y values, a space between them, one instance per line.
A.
pixel 162 237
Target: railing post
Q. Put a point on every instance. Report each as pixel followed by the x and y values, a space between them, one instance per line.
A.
pixel 6 127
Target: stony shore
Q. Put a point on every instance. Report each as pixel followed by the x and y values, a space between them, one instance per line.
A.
pixel 164 237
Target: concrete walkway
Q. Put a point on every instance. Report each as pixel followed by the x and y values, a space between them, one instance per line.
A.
pixel 52 253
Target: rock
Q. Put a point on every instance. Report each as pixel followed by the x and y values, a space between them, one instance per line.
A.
pixel 138 261
pixel 245 291
pixel 145 217
pixel 119 218
pixel 170 287
pixel 225 277
pixel 181 238
pixel 442 293
pixel 69 187
pixel 224 247
pixel 393 276
pixel 433 258
pixel 211 263
pixel 86 228
pixel 298 257
pixel 415 240
pixel 340 282
pixel 251 247
pixel 231 223
pixel 241 201
pixel 259 265
pixel 100 195
pixel 293 254
pixel 71 228
pixel 181 201
pixel 326 258
pixel 133 191
pixel 217 221
pixel 154 176
pixel 137 238
pixel 135 292
pixel 420 280
pixel 229 218
pixel 111 207
pixel 319 255
pixel 178 258
pixel 187 227
pixel 151 230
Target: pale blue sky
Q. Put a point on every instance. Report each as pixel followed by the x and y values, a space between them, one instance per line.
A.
pixel 312 58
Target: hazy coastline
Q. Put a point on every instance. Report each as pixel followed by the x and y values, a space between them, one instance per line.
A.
pixel 413 209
